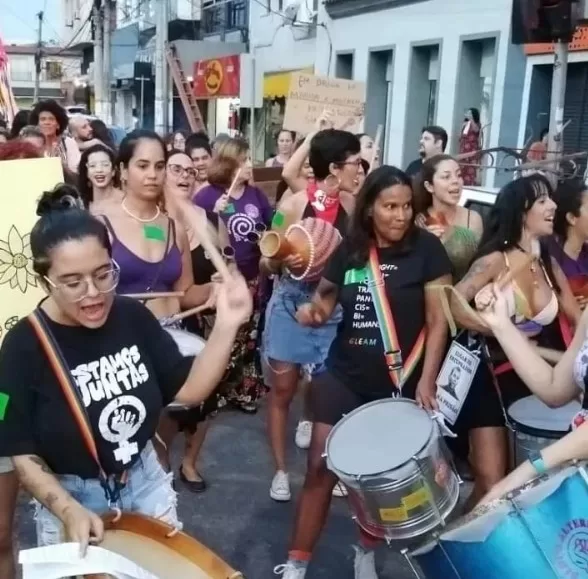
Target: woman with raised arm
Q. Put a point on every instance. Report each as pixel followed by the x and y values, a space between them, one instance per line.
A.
pixel 288 347
pixel 116 363
pixel 554 385
pixel 382 241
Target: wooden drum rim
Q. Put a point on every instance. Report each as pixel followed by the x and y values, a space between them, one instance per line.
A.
pixel 178 542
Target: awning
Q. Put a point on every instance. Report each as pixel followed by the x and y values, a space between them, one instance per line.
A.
pixel 277 84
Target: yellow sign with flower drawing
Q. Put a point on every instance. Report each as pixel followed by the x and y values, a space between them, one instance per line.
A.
pixel 23 182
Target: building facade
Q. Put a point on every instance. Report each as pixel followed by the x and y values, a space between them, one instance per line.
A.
pixel 535 109
pixel 423 61
pixel 60 73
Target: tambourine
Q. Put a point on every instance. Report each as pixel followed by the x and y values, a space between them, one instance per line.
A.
pixel 313 239
pixel 161 549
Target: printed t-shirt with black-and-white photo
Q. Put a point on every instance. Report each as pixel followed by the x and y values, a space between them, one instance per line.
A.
pixel 356 356
pixel 125 371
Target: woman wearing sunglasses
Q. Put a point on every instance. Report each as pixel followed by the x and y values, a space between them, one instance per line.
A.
pixel 246 213
pixel 179 184
pixel 119 369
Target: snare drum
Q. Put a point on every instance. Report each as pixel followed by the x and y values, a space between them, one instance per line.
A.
pixel 540 531
pixel 189 345
pixel 534 425
pixel 394 463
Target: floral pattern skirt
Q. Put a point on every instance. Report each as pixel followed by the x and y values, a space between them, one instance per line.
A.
pixel 243 385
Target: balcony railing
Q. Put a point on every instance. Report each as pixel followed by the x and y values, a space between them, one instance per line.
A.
pixel 346 8
pixel 223 15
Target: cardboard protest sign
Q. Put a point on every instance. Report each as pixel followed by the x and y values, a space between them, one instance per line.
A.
pixel 310 95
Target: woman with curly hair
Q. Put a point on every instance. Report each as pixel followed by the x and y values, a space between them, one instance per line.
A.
pixel 52 119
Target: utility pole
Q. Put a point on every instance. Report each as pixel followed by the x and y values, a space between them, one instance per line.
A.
pixel 558 92
pixel 161 68
pixel 38 58
pixel 142 80
pixel 108 110
pixel 98 59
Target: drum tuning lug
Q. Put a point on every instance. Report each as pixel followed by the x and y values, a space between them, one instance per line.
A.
pixel 324 455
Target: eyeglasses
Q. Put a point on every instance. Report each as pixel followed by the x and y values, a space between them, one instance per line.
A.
pixel 357 163
pixel 75 291
pixel 102 165
pixel 179 171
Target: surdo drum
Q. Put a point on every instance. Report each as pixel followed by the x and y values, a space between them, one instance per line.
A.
pixel 189 345
pixel 533 425
pixel 539 531
pixel 162 551
pixel 393 460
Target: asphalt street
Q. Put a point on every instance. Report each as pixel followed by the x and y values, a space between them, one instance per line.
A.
pixel 236 518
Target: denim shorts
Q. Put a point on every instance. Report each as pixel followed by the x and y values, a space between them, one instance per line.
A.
pixel 148 491
pixel 284 339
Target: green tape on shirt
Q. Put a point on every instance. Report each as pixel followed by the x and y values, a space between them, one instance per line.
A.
pixel 355 276
pixel 4 399
pixel 278 219
pixel 230 208
pixel 153 232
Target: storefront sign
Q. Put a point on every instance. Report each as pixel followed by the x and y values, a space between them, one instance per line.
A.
pixel 310 95
pixel 217 77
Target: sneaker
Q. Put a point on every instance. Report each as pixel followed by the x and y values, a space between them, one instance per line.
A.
pixel 365 564
pixel 303 434
pixel 290 571
pixel 339 490
pixel 280 489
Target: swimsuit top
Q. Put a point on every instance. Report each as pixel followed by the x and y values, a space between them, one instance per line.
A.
pixel 140 276
pixel 520 308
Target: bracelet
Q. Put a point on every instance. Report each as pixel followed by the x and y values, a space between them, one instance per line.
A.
pixel 536 459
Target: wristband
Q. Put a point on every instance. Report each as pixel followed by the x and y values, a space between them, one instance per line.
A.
pixel 536 460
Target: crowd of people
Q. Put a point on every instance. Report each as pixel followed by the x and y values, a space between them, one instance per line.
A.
pixel 125 251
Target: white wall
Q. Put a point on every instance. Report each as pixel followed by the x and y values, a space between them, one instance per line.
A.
pixel 444 20
pixel 275 46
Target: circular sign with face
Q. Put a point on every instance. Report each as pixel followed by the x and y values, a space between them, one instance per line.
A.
pixel 213 76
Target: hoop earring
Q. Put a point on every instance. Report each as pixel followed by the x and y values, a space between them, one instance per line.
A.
pixel 331 176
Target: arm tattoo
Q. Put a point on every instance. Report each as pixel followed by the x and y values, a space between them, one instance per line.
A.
pixel 470 283
pixel 41 464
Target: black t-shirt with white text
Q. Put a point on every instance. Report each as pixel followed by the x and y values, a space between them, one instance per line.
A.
pixel 356 356
pixel 126 372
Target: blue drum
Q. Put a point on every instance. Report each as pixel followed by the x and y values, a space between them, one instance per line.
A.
pixel 539 531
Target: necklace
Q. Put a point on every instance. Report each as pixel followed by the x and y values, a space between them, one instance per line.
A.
pixel 533 265
pixel 140 219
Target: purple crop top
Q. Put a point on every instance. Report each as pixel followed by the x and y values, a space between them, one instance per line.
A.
pixel 140 276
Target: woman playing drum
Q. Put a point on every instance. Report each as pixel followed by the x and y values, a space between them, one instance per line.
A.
pixel 384 241
pixel 80 438
pixel 555 386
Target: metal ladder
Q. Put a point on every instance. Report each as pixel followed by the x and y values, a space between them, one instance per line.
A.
pixel 185 91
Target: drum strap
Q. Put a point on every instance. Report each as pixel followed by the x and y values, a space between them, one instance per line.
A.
pixel 75 403
pixel 399 370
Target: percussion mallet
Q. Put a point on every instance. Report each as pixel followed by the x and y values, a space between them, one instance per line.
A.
pixel 155 295
pixel 188 313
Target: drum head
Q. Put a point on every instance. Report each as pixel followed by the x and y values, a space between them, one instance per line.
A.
pixel 378 437
pixel 147 543
pixel 531 416
pixel 189 344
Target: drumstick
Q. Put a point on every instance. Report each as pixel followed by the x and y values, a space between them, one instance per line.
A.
pixel 188 313
pixel 376 144
pixel 230 189
pixel 155 295
pixel 501 284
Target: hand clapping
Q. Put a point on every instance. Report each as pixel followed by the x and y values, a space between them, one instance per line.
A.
pixel 234 304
